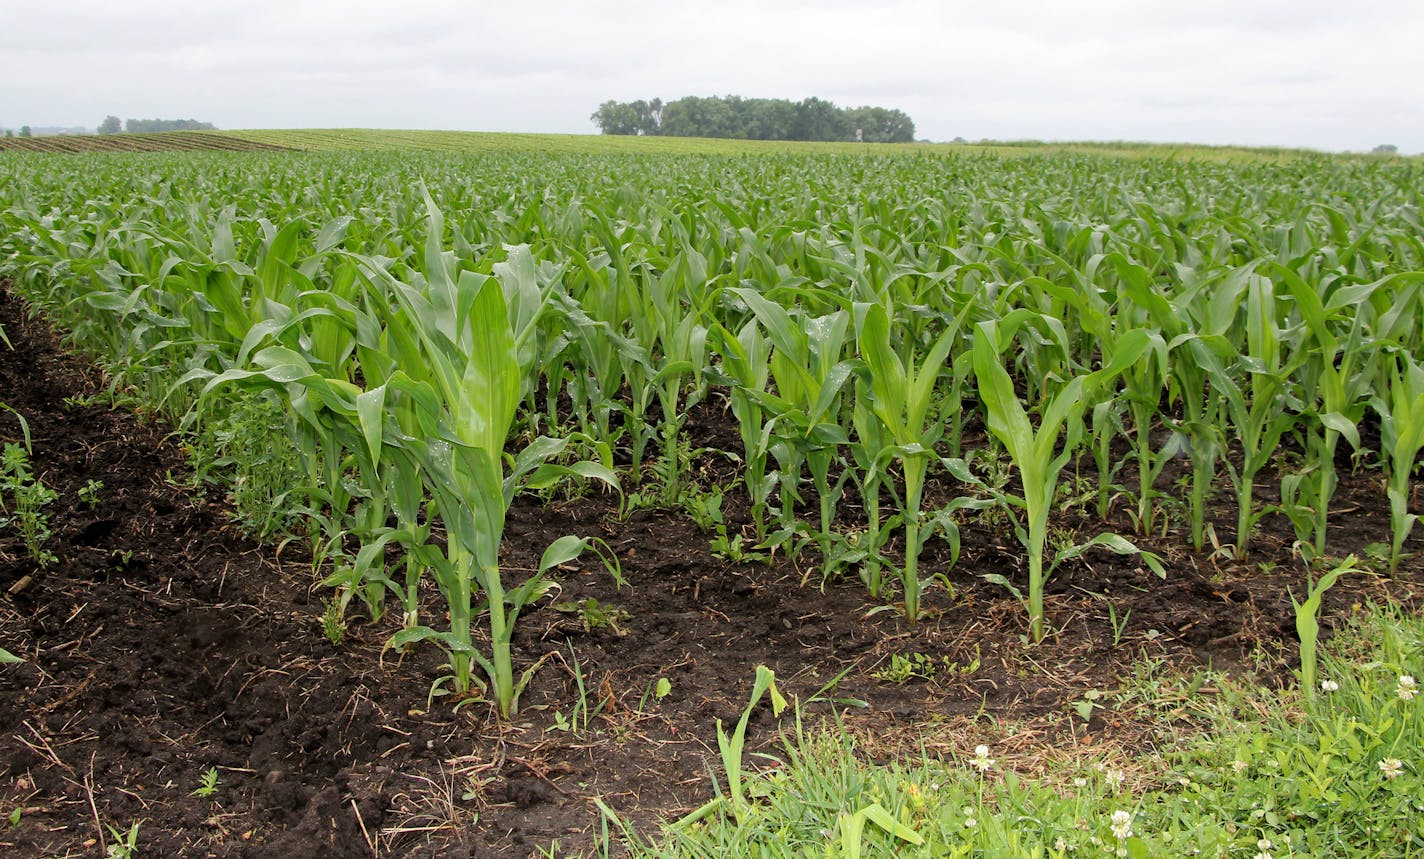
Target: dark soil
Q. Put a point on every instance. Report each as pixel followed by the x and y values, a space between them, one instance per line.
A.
pixel 161 643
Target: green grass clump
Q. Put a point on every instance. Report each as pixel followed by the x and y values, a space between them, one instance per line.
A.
pixel 1273 775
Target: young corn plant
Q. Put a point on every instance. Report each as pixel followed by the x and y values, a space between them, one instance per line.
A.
pixel 902 392
pixel 1036 452
pixel 870 450
pixel 1401 412
pixel 1195 351
pixel 746 362
pixel 804 431
pixel 465 330
pixel 1262 410
pixel 1341 373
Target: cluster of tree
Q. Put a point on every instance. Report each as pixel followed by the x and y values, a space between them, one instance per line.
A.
pixel 24 132
pixel 111 125
pixel 755 119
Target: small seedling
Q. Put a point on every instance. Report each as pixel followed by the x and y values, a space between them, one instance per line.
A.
pixel 594 615
pixel 906 667
pixel 1307 626
pixel 207 783
pixel 89 493
pixel 1089 702
pixel 125 844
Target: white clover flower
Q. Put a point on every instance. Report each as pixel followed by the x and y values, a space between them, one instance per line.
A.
pixel 1407 688
pixel 1115 778
pixel 982 761
pixel 1122 824
pixel 1239 765
pixel 1080 782
pixel 1264 844
pixel 1060 845
pixel 1329 686
pixel 970 823
pixel 1391 767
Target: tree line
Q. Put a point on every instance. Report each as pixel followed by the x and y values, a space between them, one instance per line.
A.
pixel 754 119
pixel 112 125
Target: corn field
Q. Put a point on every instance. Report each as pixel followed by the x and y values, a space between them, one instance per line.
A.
pixel 427 336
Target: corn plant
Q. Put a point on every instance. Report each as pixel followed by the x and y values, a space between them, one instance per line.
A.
pixel 1263 409
pixel 1036 452
pixel 1307 624
pixel 805 430
pixel 465 331
pixel 731 746
pixel 1401 411
pixel 1337 379
pixel 746 364
pixel 902 392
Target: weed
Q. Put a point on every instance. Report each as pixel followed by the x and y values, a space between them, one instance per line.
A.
pixel 89 493
pixel 207 783
pixel 23 496
pixel 333 623
pixel 125 845
pixel 594 615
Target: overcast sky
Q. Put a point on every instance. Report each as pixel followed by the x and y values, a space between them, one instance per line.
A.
pixel 1318 73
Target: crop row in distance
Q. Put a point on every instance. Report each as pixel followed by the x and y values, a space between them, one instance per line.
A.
pixel 384 140
pixel 416 317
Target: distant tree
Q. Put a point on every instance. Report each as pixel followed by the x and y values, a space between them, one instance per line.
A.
pixel 111 125
pixel 702 117
pixel 613 117
pixel 25 131
pixel 1386 149
pixel 753 119
pixel 648 116
pixel 146 126
pixel 882 125
pixel 818 119
pixel 9 133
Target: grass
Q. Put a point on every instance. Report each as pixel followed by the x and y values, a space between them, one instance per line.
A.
pixel 1264 773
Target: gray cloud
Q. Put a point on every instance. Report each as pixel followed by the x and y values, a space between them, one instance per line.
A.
pixel 1289 72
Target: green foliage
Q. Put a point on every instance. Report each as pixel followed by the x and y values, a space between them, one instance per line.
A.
pixel 354 361
pixel 23 497
pixel 149 126
pixel 754 119
pixel 125 842
pixel 593 615
pixel 1336 774
pixel 207 783
pixel 333 623
pixel 89 493
pixel 1307 624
